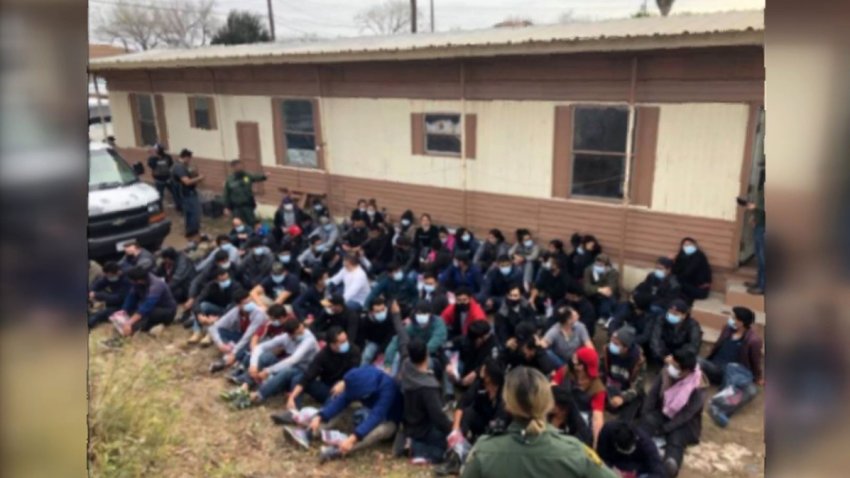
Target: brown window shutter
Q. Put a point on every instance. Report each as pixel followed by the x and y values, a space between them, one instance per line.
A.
pixel 279 137
pixel 470 122
pixel 643 162
pixel 134 113
pixel 417 133
pixel 213 117
pixel 192 122
pixel 161 125
pixel 317 129
pixel 562 156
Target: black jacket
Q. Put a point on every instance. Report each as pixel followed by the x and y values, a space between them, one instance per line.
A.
pixel 214 294
pixel 406 258
pixel 329 367
pixel 438 299
pixel 577 263
pixel 423 403
pixel 540 360
pixel 551 286
pixel 111 293
pixel 508 318
pixel 310 302
pixel 380 333
pixel 348 320
pixel 667 338
pixel 473 357
pixel 424 239
pixel 692 270
pixel 180 276
pixel 645 461
pixel 253 269
pixel 690 416
pixel 160 166
pixel 663 291
pixel 356 237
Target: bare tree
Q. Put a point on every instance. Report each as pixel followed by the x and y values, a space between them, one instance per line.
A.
pixel 514 21
pixel 389 18
pixel 664 6
pixel 193 24
pixel 178 24
pixel 134 25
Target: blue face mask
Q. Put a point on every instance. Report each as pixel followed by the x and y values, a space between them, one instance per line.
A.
pixel 659 273
pixel 614 348
pixel 598 269
pixel 380 316
pixel 689 249
pixel 258 251
pixel 422 319
pixel 249 307
pixel 277 279
pixel 673 319
pixel 112 278
pixel 732 324
pixel 428 288
pixel 224 284
pixel 317 207
pixel 398 275
pixel 240 228
pixel 405 222
pixel 275 323
pixel 528 243
pixel 285 258
pixel 465 238
pixel 580 250
pixel 505 270
pixel 329 227
pixel 344 348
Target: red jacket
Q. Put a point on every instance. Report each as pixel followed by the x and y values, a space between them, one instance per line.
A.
pixel 476 312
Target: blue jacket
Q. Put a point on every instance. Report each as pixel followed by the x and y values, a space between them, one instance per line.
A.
pixel 376 390
pixel 453 279
pixel 144 301
pixel 111 293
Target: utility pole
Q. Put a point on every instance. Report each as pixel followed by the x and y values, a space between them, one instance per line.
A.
pixel 271 20
pixel 412 16
pixel 432 16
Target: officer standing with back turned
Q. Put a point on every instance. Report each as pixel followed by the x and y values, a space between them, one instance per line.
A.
pixel 239 193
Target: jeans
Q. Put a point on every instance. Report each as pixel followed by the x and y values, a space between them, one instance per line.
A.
pixel 267 359
pixel 206 308
pixel 370 351
pixel 283 381
pixel 159 315
pixel 712 371
pixel 102 315
pixel 319 390
pixel 431 447
pixel 229 335
pixel 192 213
pixel 759 238
pixel 357 307
pixel 555 358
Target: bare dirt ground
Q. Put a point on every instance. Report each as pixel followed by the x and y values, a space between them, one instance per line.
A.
pixel 191 432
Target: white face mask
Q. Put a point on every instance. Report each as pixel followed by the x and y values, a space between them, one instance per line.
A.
pixel 673 372
pixel 422 319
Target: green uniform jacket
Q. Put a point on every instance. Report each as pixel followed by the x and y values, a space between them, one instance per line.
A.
pixel 237 189
pixel 549 454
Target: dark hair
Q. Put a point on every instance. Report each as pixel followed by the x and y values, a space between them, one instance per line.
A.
pixel 745 315
pixel 574 288
pixel 221 271
pixel 563 314
pixel 686 359
pixel 478 329
pixel 425 214
pixel 378 301
pixel 495 371
pixel 563 396
pixel 429 274
pixel 111 267
pixel 333 333
pixel 185 153
pixel 393 266
pixel 462 256
pixel 622 434
pixel 137 273
pixel 254 242
pixel 131 242
pixel 559 244
pixel 463 291
pixel 497 234
pixel 503 258
pixel 276 311
pixel 290 325
pixel 240 294
pixel 220 256
pixel 520 233
pixel 315 239
pixel 408 214
pixel 222 238
pixel 417 351
pixel 168 253
pixel 459 231
pixel 575 240
pixel 337 299
pixel 515 285
pixel 317 275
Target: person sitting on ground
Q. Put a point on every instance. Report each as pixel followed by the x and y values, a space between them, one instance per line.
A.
pixel 357 234
pixel 336 313
pixel 692 269
pixel 565 336
pixel 493 247
pixel 498 280
pixel 738 343
pixel 427 327
pixel 526 350
pixel 359 210
pixel 268 329
pixel 404 228
pixel 624 373
pixel 478 345
pixel 425 234
pixel 223 243
pixel 582 376
pixel 378 249
pixel 136 255
pixel 394 285
pixel 328 231
pixel 286 255
pixel 673 407
pixel 462 274
pixel 635 313
pixel 256 264
pixel 318 209
pixel 466 243
pixel 629 450
pixel 528 249
pixel 308 306
pixel 355 283
pixel 324 375
pixel 405 256
pixel 602 286
pixel 447 239
pixel 460 315
pixel 566 417
pixel 662 285
pixel 311 258
pixel 379 394
pixel 530 446
pixel 678 331
pixel 373 216
pixel 216 297
pixel 425 424
pixel 556 251
pixel 220 261
pixel 514 311
pixel 288 214
pixel 233 331
pixel 433 293
pixel 586 248
pixel 551 284
pixel 177 270
pixel 240 234
pixel 576 299
pixel 110 288
pixel 149 302
pixel 438 257
pixel 378 328
pixel 278 287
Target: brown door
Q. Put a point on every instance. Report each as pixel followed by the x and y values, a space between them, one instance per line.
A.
pixel 248 139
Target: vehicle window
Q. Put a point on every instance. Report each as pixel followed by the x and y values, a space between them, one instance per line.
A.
pixel 107 169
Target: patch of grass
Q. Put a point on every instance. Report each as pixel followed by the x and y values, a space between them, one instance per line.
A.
pixel 131 417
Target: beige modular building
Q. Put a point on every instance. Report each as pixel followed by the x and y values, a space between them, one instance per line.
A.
pixel 640 131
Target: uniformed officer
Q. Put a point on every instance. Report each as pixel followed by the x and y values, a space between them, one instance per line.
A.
pixel 530 446
pixel 239 193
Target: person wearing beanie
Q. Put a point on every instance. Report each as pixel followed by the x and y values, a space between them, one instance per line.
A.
pixel 582 375
pixel 676 331
pixel 738 343
pixel 624 370
pixel 662 284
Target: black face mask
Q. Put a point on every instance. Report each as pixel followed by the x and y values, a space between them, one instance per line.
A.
pixel 462 307
pixel 512 302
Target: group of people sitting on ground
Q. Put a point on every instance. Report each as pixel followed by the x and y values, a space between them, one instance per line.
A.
pixel 424 327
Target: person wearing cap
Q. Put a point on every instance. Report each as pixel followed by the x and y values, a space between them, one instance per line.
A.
pixel 278 286
pixel 673 407
pixel 661 284
pixel 738 343
pixel 186 179
pixel 676 331
pixel 336 313
pixel 256 263
pixel 629 450
pixel 581 374
pixel 624 373
pixel 602 285
pixel 239 193
pixel 425 326
pixel 160 163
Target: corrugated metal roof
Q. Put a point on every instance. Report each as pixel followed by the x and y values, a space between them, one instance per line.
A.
pixel 725 28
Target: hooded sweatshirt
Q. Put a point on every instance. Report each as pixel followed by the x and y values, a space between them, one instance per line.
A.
pixel 422 402
pixel 373 388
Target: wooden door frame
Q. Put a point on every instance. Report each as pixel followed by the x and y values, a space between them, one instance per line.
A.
pixel 755 108
pixel 259 188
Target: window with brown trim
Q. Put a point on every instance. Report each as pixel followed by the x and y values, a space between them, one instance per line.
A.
pixel 202 112
pixel 442 134
pixel 145 118
pixel 297 132
pixel 599 151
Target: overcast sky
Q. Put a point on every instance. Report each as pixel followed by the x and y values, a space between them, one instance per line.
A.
pixel 334 18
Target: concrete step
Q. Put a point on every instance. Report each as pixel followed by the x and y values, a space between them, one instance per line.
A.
pixel 713 313
pixel 736 294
